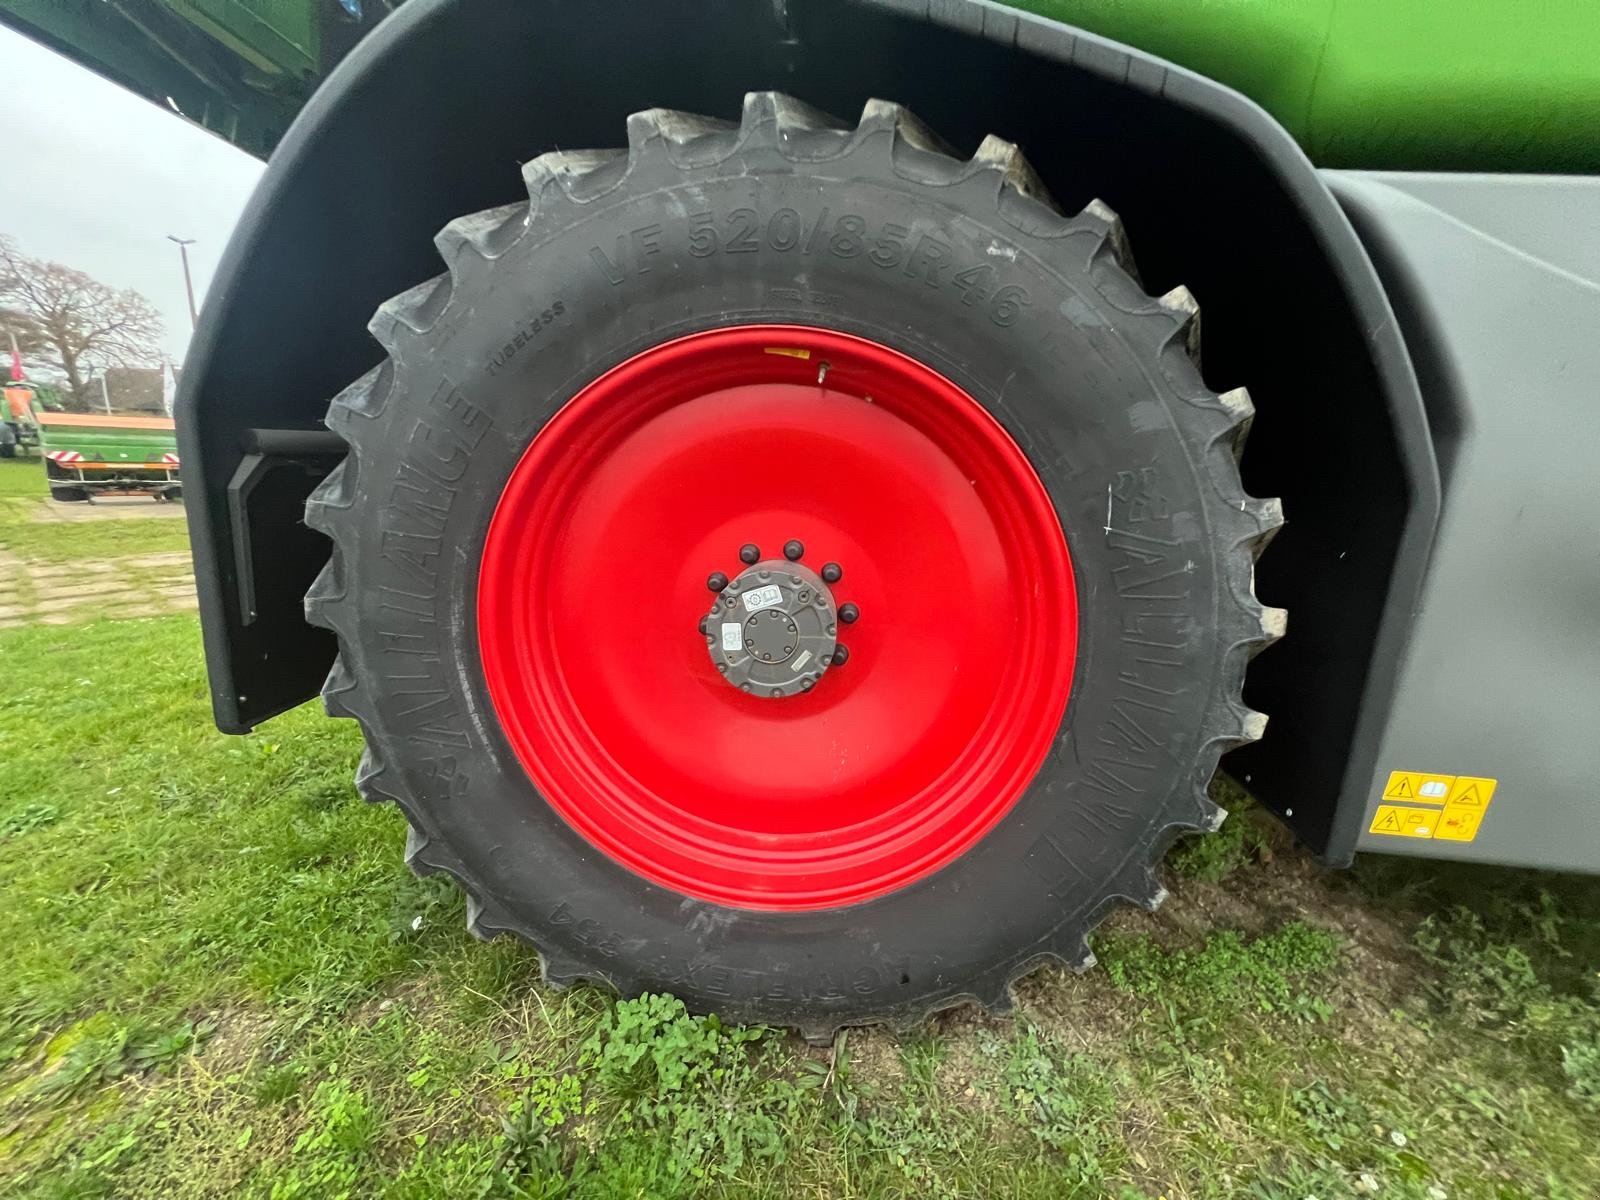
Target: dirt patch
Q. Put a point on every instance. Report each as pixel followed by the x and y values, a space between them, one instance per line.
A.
pixel 239 1040
pixel 1087 1013
pixel 970 1075
pixel 874 1056
pixel 1380 966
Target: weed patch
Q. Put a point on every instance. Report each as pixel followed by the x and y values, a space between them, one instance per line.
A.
pixel 1242 840
pixel 1266 974
pixel 1486 981
pixel 1067 1101
pixel 715 1088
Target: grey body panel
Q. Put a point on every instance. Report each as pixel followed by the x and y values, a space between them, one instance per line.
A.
pixel 1496 283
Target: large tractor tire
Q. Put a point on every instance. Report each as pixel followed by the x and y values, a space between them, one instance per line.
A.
pixel 787 565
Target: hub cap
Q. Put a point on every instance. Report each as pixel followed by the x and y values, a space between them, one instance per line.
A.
pixel 745 773
pixel 771 631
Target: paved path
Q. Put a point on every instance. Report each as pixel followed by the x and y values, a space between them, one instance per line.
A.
pixel 110 509
pixel 139 585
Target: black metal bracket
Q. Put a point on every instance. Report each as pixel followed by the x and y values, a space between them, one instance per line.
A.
pixel 279 469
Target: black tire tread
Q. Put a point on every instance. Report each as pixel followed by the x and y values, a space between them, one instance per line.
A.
pixel 999 173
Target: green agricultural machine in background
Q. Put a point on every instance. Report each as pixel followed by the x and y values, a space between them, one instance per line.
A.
pixel 799 554
pixel 94 454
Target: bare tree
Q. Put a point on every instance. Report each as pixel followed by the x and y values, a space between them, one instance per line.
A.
pixel 74 323
pixel 19 325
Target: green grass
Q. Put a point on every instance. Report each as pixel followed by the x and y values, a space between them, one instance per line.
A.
pixel 61 542
pixel 86 541
pixel 22 477
pixel 218 980
pixel 23 491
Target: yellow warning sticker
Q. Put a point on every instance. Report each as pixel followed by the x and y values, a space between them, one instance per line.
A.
pixel 1458 825
pixel 1467 791
pixel 1417 787
pixel 1405 822
pixel 1463 801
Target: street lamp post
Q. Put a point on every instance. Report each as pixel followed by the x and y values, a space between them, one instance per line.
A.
pixel 183 249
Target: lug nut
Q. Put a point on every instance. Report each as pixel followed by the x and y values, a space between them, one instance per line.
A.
pixel 848 613
pixel 749 554
pixel 705 626
pixel 716 581
pixel 832 572
pixel 793 549
pixel 841 655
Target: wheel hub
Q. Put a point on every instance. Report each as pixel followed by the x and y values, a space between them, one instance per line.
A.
pixel 773 629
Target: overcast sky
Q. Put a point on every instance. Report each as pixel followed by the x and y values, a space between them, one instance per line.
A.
pixel 96 177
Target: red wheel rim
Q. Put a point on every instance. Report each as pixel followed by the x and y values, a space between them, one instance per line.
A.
pixel 593 580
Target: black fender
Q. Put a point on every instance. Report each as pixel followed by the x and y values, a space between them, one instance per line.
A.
pixel 430 116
